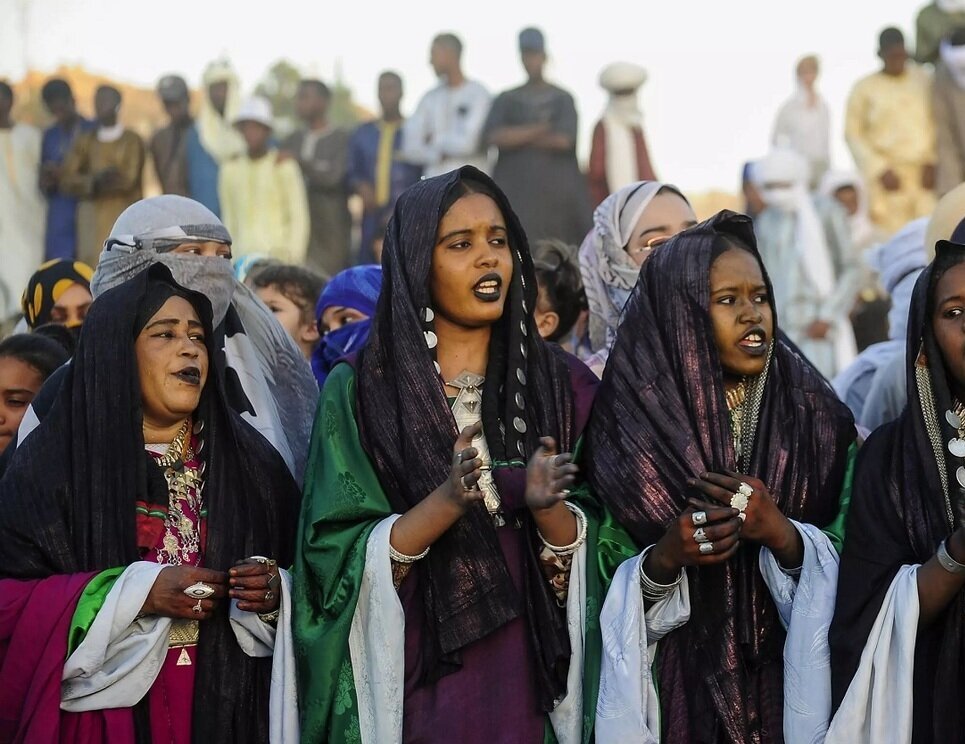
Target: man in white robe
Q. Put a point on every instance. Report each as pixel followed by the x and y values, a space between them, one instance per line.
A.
pixel 806 245
pixel 23 209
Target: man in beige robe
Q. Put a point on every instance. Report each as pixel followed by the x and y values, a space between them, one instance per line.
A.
pixel 105 167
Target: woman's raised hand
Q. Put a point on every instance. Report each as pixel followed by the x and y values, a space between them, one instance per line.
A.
pixel 549 476
pixel 462 487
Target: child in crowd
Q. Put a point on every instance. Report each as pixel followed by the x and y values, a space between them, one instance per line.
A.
pixel 561 299
pixel 26 361
pixel 291 292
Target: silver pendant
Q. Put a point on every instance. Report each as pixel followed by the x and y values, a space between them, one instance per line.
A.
pixel 470 405
pixel 957 447
pixel 960 476
pixel 953 419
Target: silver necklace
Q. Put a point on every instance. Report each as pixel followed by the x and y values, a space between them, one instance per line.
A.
pixel 470 384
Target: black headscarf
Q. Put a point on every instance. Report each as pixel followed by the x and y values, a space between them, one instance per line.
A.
pixel 67 502
pixel 407 429
pixel 661 418
pixel 906 500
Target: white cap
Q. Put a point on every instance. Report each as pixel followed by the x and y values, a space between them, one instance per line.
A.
pixel 256 109
pixel 621 76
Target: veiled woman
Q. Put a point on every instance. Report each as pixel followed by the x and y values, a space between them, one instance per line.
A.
pixel 136 520
pixel 627 225
pixel 897 657
pixel 442 576
pixel 722 451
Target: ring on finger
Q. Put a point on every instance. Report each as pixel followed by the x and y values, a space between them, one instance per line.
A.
pixel 706 548
pixel 467 487
pixel 741 497
pixel 701 536
pixel 199 590
pixel 198 609
pixel 699 518
pixel 269 595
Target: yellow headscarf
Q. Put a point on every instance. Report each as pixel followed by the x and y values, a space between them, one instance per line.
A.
pixel 47 285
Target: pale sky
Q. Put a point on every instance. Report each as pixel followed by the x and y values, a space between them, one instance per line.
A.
pixel 718 70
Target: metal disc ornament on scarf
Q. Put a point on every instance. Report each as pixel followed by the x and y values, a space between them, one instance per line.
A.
pixel 953 419
pixel 960 476
pixel 956 446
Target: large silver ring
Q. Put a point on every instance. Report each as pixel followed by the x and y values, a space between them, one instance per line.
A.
pixel 701 536
pixel 699 518
pixel 197 608
pixel 705 548
pixel 465 486
pixel 260 559
pixel 269 595
pixel 199 591
pixel 741 497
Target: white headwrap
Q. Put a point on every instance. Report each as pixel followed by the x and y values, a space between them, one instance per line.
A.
pixel 862 228
pixel 620 118
pixel 951 6
pixel 609 274
pixel 217 133
pixel 786 167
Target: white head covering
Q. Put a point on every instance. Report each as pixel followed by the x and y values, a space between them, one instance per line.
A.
pixel 622 76
pixel 785 167
pixel 609 274
pixel 146 228
pixel 257 109
pixel 621 118
pixel 216 132
pixel 951 6
pixel 862 228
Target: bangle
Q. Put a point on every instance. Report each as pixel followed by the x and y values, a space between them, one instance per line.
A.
pixel 650 589
pixel 398 557
pixel 270 618
pixel 946 560
pixel 580 533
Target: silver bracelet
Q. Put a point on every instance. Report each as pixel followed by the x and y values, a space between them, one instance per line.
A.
pixel 398 557
pixel 650 589
pixel 580 533
pixel 946 560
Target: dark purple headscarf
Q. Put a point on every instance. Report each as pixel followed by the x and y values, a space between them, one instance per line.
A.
pixel 407 429
pixel 660 418
pixel 906 500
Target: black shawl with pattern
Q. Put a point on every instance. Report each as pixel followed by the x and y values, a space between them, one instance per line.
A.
pixel 407 429
pixel 660 418
pixel 906 500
